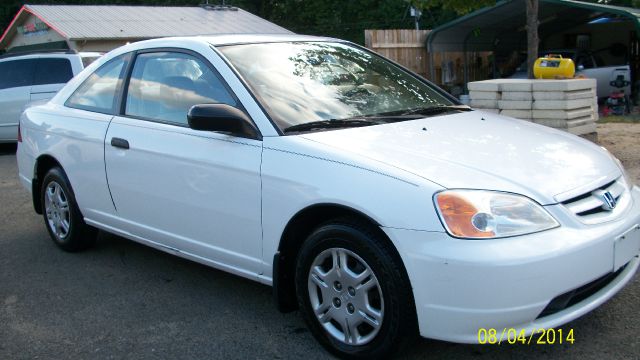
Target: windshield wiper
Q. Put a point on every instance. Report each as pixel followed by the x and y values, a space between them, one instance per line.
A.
pixel 437 109
pixel 376 119
pixel 332 124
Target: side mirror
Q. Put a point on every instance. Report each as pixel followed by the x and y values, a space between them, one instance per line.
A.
pixel 223 118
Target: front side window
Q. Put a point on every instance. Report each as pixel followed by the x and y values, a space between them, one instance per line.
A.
pixel 585 60
pixel 16 73
pixel 307 82
pixel 98 91
pixel 165 85
pixel 88 60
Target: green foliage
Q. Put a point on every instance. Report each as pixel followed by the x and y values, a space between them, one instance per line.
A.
pixel 461 7
pixel 336 18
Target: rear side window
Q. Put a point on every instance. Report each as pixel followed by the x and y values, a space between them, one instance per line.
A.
pixel 52 71
pixel 16 73
pixel 98 92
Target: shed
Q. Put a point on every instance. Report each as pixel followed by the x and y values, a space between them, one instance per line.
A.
pixel 502 28
pixel 102 28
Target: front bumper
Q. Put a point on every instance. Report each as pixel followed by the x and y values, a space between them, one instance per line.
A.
pixel 461 286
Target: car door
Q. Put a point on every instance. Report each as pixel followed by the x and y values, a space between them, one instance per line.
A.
pixel 194 191
pixel 16 77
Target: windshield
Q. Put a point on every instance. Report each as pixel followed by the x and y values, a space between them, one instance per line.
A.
pixel 307 82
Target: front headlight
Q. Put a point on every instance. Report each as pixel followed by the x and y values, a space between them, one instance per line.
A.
pixel 481 214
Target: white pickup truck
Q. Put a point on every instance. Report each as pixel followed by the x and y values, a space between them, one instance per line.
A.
pixel 590 66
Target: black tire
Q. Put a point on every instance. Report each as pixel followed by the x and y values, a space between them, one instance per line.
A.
pixel 66 227
pixel 398 326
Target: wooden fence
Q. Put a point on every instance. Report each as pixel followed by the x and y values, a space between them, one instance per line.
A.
pixel 408 48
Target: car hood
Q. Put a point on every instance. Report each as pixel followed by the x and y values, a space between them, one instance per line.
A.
pixel 481 150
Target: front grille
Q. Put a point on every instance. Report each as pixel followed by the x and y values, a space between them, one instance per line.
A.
pixel 573 297
pixel 590 208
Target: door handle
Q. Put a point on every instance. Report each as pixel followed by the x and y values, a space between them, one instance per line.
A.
pixel 119 143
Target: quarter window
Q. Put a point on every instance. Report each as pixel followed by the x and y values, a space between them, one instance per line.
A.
pixel 98 92
pixel 165 85
pixel 52 71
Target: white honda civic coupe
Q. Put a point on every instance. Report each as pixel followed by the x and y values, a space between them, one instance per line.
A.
pixel 367 197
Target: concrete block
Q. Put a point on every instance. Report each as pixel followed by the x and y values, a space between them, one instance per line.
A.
pixel 514 104
pixel 484 104
pixel 562 104
pixel 565 124
pixel 518 114
pixel 493 111
pixel 517 95
pixel 563 85
pixel 520 85
pixel 563 95
pixel 484 95
pixel 584 129
pixel 486 85
pixel 562 114
pixel 501 85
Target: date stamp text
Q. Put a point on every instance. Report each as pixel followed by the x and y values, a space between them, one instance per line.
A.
pixel 514 336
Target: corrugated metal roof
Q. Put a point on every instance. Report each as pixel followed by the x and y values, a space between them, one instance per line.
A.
pixel 144 22
pixel 480 30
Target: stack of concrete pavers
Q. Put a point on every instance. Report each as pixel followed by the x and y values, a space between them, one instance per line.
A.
pixel 570 105
pixel 566 104
pixel 485 95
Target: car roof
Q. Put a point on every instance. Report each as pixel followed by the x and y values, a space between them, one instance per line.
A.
pixel 45 54
pixel 213 40
pixel 90 54
pixel 222 40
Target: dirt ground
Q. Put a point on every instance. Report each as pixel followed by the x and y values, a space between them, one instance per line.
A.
pixel 623 140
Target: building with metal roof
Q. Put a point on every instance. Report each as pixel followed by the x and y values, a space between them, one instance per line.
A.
pixel 562 24
pixel 102 28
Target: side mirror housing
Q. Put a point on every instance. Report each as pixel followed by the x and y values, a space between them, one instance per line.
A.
pixel 222 118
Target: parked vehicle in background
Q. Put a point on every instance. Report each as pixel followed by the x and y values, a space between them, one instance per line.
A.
pixel 25 78
pixel 591 66
pixel 367 197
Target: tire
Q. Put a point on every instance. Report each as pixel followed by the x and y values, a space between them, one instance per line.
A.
pixel 353 322
pixel 62 218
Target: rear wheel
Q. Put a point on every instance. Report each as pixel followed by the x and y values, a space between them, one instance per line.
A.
pixel 61 214
pixel 353 291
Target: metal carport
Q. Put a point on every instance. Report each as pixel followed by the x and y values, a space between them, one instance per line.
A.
pixel 503 25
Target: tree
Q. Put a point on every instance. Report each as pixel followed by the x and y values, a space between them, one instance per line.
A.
pixel 532 35
pixel 461 7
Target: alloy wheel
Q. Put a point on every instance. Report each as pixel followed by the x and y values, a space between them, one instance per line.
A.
pixel 345 296
pixel 56 205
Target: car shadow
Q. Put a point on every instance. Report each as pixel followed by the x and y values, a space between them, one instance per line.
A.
pixel 8 149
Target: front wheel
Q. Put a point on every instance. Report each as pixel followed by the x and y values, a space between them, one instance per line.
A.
pixel 353 291
pixel 61 214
